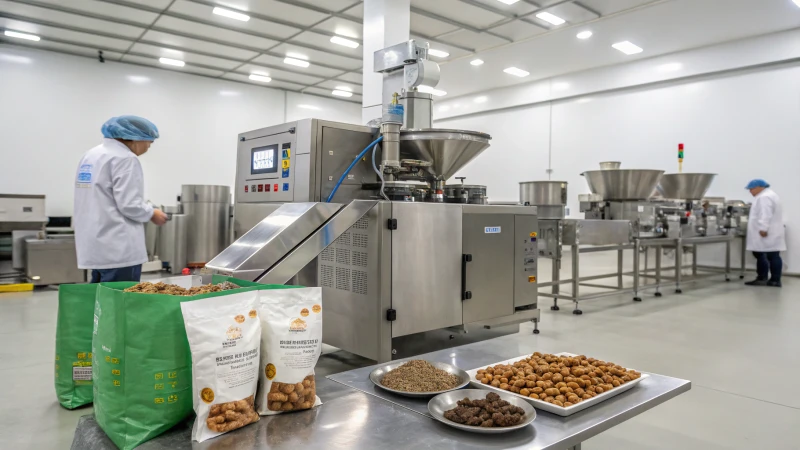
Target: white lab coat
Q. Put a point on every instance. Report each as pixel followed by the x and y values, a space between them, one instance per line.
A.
pixel 766 214
pixel 110 211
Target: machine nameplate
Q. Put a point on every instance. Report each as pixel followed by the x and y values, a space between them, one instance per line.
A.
pixel 491 230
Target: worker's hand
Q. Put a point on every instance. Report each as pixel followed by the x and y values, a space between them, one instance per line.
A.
pixel 763 233
pixel 159 217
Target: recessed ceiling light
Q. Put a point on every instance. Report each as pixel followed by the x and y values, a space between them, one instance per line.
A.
pixel 295 62
pixel 516 72
pixel 172 62
pixel 230 14
pixel 551 18
pixel 261 78
pixel 312 107
pixel 344 88
pixel 508 2
pixel 673 67
pixel 478 62
pixel 438 53
pixel 481 99
pixel 339 93
pixel 584 34
pixel 17 34
pixel 627 47
pixel 431 90
pixel 138 79
pixel 346 42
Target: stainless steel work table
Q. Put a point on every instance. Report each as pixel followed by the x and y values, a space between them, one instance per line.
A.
pixel 357 415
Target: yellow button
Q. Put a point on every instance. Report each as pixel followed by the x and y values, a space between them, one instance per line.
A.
pixel 533 234
pixel 285 163
pixel 532 279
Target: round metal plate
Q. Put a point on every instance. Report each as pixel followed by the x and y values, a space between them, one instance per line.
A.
pixel 449 400
pixel 377 375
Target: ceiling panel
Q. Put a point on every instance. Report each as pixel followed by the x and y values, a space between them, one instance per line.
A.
pixel 606 7
pixel 333 84
pixel 185 69
pixel 520 7
pixel 428 26
pixel 194 44
pixel 342 27
pixel 66 48
pixel 332 5
pixel 188 57
pixel 282 74
pixel 106 9
pixel 255 25
pixel 220 34
pixel 271 84
pixel 517 30
pixel 356 11
pixel 319 56
pixel 275 61
pixel 160 4
pixel 279 10
pixel 323 41
pixel 352 77
pixel 459 11
pixel 44 31
pixel 356 98
pixel 467 39
pixel 572 13
pixel 72 20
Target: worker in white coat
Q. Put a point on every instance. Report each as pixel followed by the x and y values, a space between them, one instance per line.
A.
pixel 110 210
pixel 765 234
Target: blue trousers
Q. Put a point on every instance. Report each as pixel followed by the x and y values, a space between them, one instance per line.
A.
pixel 769 262
pixel 130 273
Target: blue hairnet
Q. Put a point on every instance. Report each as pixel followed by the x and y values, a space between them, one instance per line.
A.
pixel 758 182
pixel 131 128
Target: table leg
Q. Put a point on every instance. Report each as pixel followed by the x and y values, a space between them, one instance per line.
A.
pixel 555 289
pixel 694 260
pixel 744 255
pixel 659 251
pixel 636 255
pixel 619 268
pixel 576 278
pixel 728 261
pixel 678 265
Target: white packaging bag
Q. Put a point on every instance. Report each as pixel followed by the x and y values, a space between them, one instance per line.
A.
pixel 225 339
pixel 291 343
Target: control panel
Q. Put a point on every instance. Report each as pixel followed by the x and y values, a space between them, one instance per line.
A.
pixel 265 169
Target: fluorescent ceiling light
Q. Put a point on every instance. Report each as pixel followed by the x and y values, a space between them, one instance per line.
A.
pixel 430 90
pixel 551 18
pixel 627 47
pixel 295 62
pixel 481 99
pixel 344 88
pixel 511 2
pixel 478 62
pixel 230 14
pixel 297 55
pixel 673 67
pixel 17 34
pixel 584 34
pixel 516 72
pixel 346 42
pixel 261 78
pixel 312 107
pixel 172 62
pixel 339 93
pixel 138 79
pixel 438 53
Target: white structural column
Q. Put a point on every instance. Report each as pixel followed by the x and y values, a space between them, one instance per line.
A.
pixel 386 22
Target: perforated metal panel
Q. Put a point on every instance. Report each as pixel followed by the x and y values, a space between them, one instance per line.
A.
pixel 344 264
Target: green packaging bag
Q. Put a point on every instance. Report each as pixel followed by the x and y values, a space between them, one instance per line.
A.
pixel 73 364
pixel 142 366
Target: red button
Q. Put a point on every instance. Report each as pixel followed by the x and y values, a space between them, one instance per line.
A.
pixel 275 187
pixel 260 188
pixel 267 187
pixel 245 188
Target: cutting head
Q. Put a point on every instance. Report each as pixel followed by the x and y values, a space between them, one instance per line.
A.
pixel 446 150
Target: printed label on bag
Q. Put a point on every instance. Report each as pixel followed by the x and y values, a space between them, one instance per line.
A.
pixel 80 373
pixel 237 369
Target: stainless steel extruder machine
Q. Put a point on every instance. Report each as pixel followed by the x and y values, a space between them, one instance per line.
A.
pixel 633 210
pixel 407 264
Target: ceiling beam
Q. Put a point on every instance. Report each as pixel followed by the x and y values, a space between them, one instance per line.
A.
pixel 530 13
pixel 436 39
pixel 455 23
pixel 503 13
pixel 149 27
pixel 591 10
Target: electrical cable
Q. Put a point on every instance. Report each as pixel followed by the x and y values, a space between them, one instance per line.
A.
pixel 380 174
pixel 360 155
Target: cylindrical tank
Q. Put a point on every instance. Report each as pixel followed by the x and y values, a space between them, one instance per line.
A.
pixel 541 193
pixel 474 194
pixel 172 242
pixel 151 240
pixel 207 208
pixel 610 165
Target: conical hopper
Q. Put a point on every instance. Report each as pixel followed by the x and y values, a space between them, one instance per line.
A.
pixel 623 184
pixel 446 150
pixel 685 186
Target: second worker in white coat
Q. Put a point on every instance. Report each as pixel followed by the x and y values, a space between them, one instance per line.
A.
pixel 766 236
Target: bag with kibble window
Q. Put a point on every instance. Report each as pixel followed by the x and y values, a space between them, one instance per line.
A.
pixel 224 337
pixel 291 343
pixel 73 375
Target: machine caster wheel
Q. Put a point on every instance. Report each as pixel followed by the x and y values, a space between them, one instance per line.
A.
pixel 554 308
pixel 678 291
pixel 577 312
pixel 658 294
pixel 637 299
pixel 535 331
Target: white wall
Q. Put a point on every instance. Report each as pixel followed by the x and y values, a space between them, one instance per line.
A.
pixel 53 106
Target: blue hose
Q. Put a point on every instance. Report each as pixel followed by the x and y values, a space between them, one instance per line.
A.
pixel 360 155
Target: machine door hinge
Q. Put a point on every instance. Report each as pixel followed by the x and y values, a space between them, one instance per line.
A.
pixel 465 294
pixel 391 315
pixel 392 224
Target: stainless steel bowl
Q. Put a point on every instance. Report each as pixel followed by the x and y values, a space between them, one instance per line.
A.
pixel 376 375
pixel 447 401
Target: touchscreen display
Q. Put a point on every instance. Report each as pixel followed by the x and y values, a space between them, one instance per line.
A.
pixel 264 159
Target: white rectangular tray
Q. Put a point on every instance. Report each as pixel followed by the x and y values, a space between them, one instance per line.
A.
pixel 549 407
